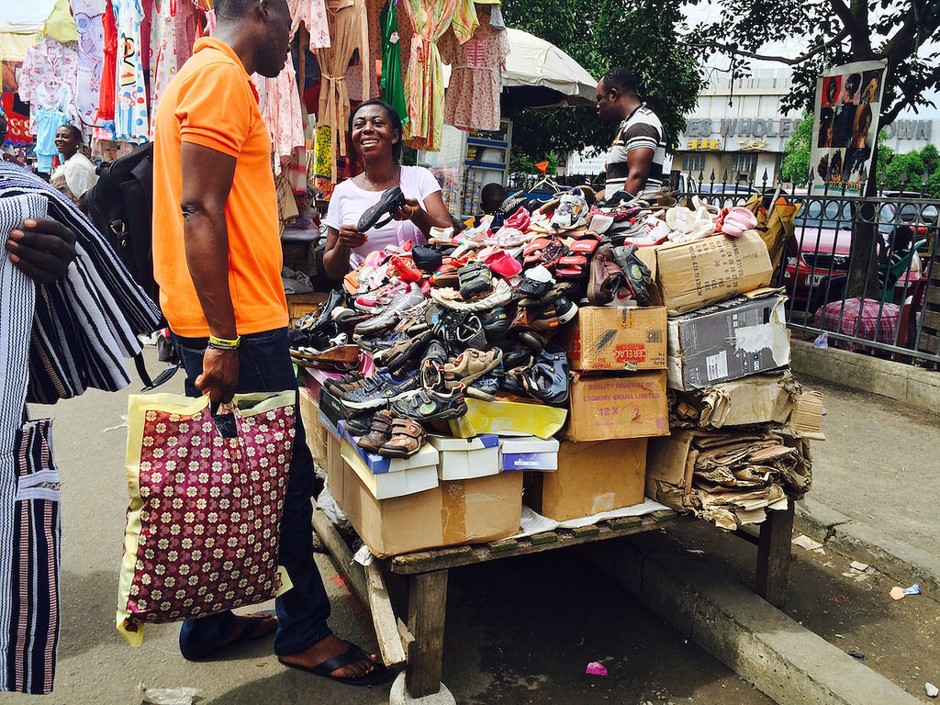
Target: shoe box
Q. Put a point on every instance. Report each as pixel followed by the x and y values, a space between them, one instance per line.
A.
pixel 617 338
pixel 454 512
pixel 466 458
pixel 763 398
pixel 591 477
pixel 607 407
pixel 696 274
pixel 528 453
pixel 386 478
pixel 733 339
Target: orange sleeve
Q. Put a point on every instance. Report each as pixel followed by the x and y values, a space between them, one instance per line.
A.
pixel 214 110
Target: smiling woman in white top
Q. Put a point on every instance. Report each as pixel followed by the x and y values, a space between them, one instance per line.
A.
pixel 76 174
pixel 376 132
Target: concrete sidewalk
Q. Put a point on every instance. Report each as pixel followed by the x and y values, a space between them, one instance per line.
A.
pixel 876 480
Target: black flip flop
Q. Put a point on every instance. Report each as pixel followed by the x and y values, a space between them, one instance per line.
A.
pixel 376 676
pixel 381 212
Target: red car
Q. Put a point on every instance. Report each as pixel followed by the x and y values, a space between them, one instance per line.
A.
pixel 825 240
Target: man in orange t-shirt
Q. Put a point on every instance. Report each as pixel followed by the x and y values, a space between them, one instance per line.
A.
pixel 217 259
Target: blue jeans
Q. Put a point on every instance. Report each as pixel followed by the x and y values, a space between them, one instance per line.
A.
pixel 265 366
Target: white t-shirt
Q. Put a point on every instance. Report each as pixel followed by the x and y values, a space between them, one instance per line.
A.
pixel 350 201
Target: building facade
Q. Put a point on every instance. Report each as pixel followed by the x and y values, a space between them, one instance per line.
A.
pixel 739 131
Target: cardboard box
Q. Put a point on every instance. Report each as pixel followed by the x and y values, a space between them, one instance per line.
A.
pixel 528 453
pixel 591 478
pixel 611 407
pixel 456 512
pixel 703 272
pixel 617 339
pixel 316 434
pixel 386 485
pixel 726 341
pixel 766 398
pixel 509 418
pixel 466 458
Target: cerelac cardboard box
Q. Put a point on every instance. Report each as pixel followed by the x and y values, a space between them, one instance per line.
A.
pixel 617 338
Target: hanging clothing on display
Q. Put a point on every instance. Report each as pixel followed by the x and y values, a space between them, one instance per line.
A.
pixel 47 79
pixel 279 102
pixel 476 82
pixel 312 13
pixel 424 82
pixel 393 92
pixel 173 34
pixel 130 109
pixel 350 33
pixel 108 81
pixel 89 17
pixel 465 20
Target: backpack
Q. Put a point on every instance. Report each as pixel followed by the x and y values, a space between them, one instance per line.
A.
pixel 121 207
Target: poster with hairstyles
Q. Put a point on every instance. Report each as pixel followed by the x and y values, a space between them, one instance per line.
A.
pixel 845 125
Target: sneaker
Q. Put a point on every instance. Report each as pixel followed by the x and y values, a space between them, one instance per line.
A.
pixel 378 433
pixel 380 390
pixel 639 277
pixel 606 277
pixel 346 383
pixel 392 313
pixel 571 213
pixel 429 405
pixel 359 425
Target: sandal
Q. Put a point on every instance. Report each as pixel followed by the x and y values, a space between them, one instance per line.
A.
pixel 379 674
pixel 475 280
pixel 449 298
pixel 381 213
pixel 407 437
pixel 379 433
pixel 460 330
pixel 473 364
pixel 547 379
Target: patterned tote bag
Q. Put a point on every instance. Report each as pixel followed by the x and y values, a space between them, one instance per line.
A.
pixel 205 510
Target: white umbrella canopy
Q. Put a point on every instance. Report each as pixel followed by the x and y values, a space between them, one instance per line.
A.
pixel 534 63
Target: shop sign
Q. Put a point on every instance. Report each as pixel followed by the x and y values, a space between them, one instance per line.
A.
pixel 754 127
pixel 704 145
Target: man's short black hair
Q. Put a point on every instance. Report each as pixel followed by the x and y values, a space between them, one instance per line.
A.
pixel 495 189
pixel 232 9
pixel 622 79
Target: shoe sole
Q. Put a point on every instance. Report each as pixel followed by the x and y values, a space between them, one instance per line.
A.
pixel 374 403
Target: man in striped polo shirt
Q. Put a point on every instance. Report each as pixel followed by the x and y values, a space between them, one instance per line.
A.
pixel 636 158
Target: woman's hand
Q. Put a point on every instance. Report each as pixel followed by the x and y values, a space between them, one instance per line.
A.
pixel 350 238
pixel 407 211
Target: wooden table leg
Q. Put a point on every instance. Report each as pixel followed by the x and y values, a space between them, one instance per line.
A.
pixel 773 556
pixel 427 606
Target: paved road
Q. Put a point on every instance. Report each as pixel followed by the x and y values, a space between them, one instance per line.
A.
pixel 879 464
pixel 519 631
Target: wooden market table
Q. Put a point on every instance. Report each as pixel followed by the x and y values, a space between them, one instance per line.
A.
pixel 419 642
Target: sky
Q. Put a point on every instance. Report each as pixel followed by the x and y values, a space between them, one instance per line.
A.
pixel 711 12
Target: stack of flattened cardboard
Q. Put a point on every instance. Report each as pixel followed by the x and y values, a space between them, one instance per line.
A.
pixel 733 454
pixel 729 477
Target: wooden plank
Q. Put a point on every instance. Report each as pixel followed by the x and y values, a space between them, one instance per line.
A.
pixel 933 295
pixel 341 554
pixel 383 617
pixel 583 531
pixel 624 523
pixel 427 605
pixel 929 343
pixel 565 538
pixel 547 537
pixel 773 556
pixel 932 320
pixel 504 545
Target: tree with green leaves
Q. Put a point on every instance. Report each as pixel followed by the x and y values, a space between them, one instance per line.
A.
pixel 901 33
pixel 641 35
